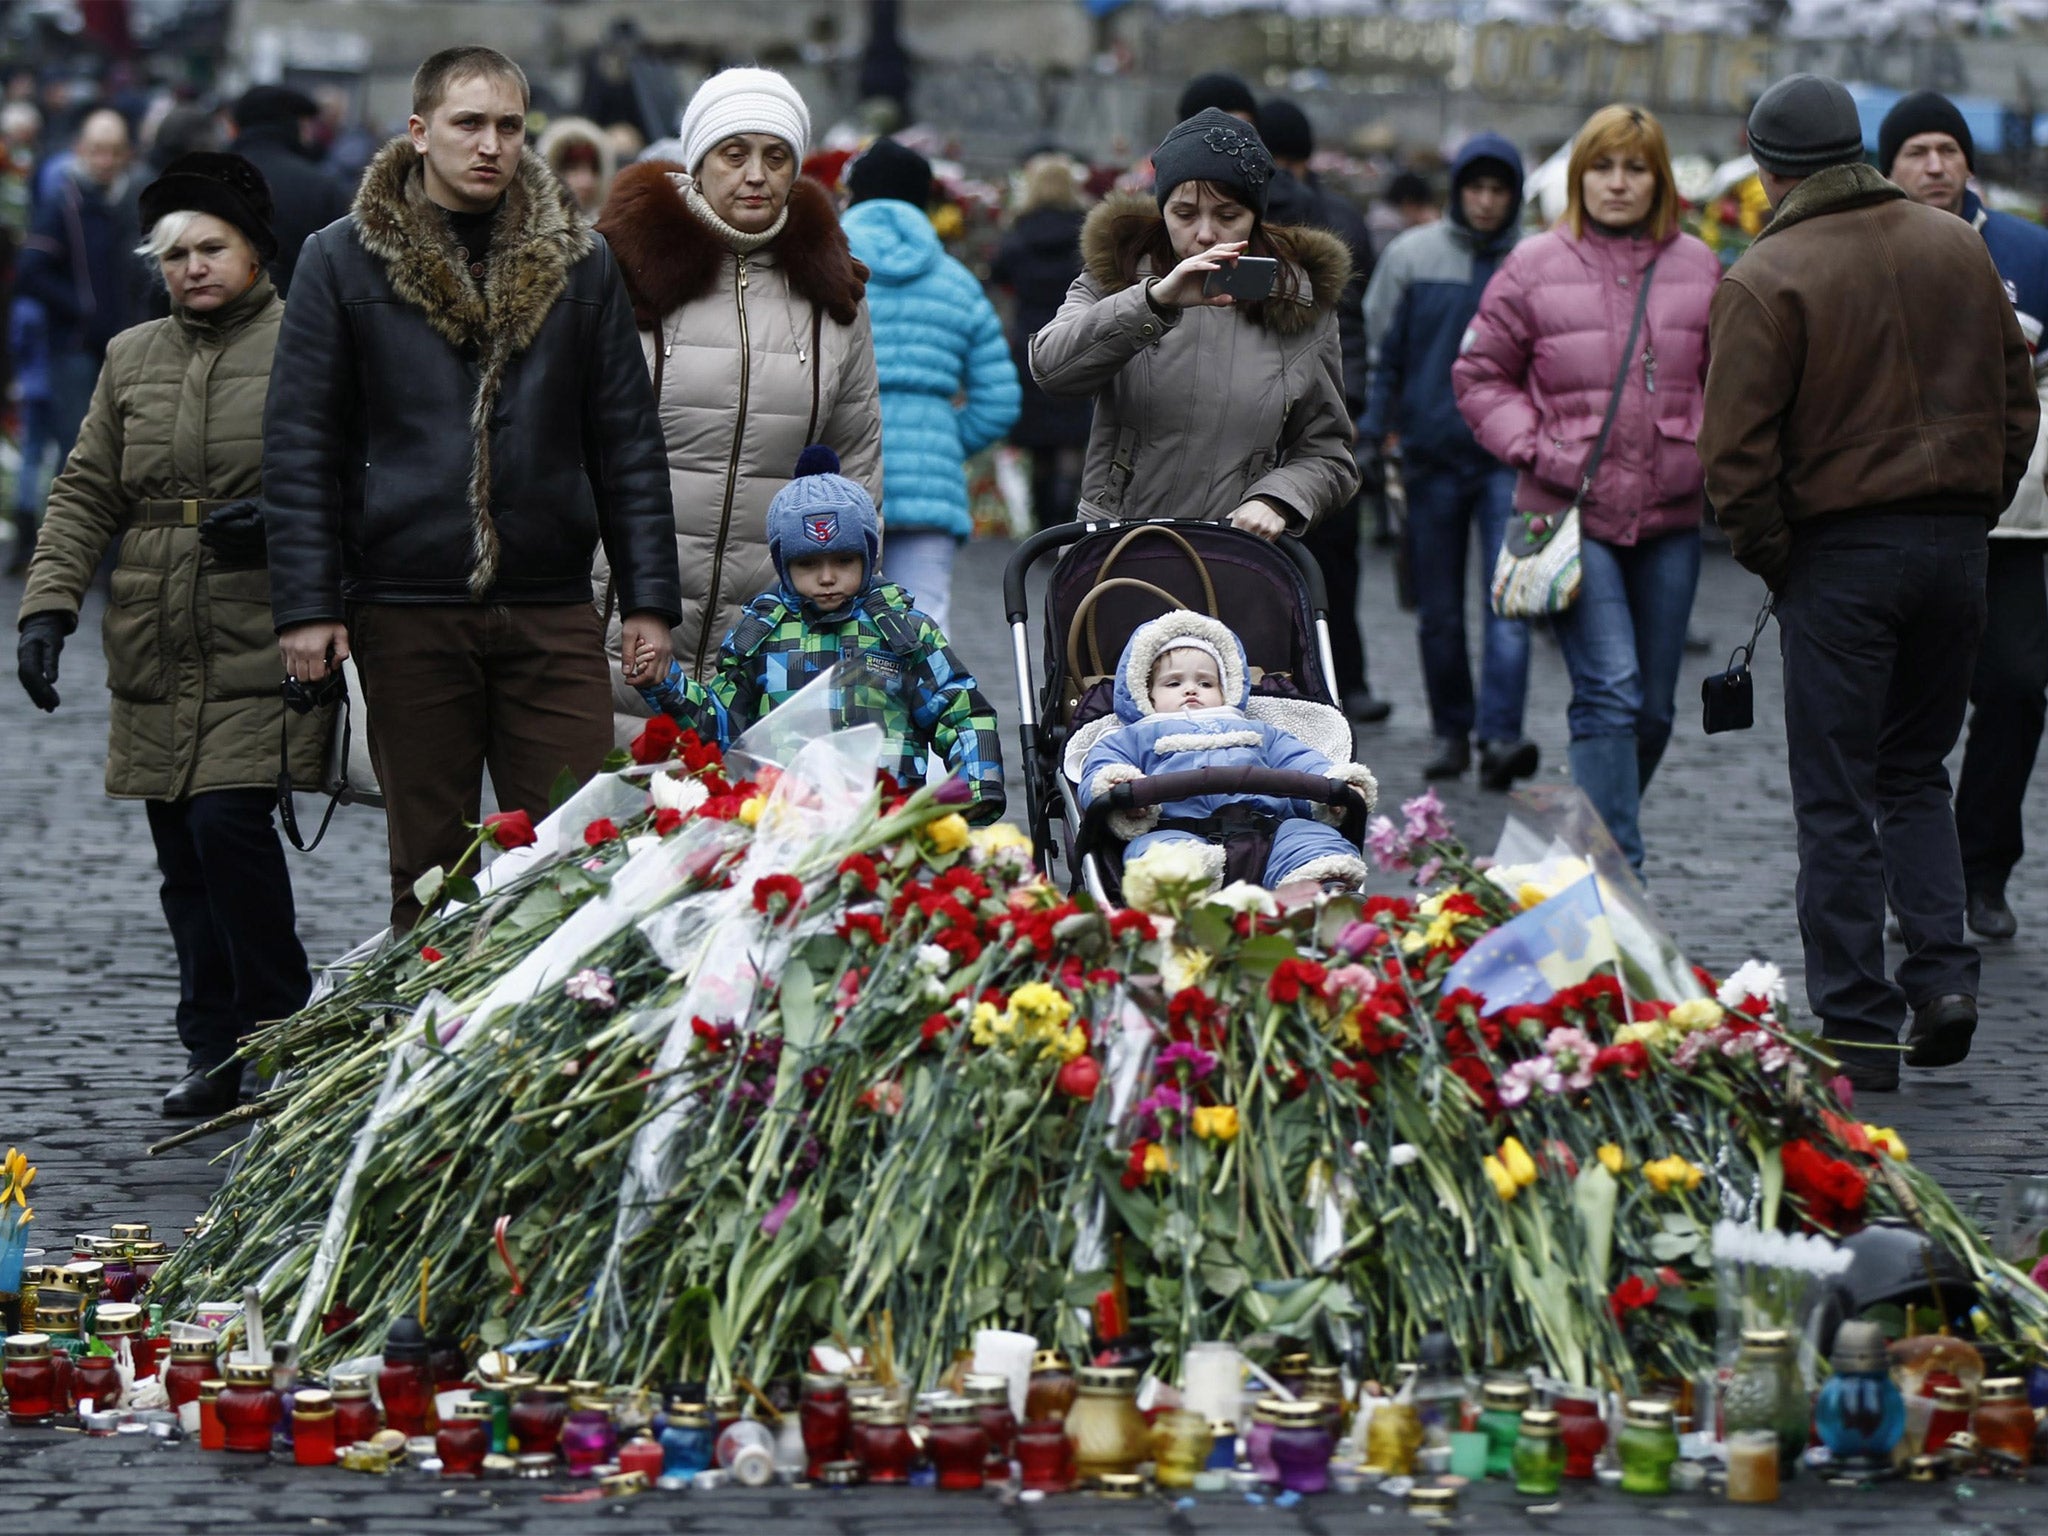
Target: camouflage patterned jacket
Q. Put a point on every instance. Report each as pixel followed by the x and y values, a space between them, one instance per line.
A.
pixel 911 685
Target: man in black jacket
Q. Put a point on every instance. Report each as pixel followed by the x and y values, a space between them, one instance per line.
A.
pixel 270 132
pixel 459 410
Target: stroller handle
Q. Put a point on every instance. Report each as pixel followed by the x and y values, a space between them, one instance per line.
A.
pixel 1016 607
pixel 1280 783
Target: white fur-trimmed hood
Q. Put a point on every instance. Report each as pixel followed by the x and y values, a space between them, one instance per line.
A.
pixel 1154 639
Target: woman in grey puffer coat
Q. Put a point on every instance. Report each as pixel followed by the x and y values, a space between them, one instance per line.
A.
pixel 1205 408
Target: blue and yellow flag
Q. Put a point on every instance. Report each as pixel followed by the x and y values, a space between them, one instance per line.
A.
pixel 1530 959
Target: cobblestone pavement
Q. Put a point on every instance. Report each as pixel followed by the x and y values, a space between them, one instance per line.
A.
pixel 87 987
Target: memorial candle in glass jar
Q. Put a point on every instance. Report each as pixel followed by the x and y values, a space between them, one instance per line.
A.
pixel 590 1438
pixel 990 1395
pixel 464 1439
pixel 30 1379
pixel 538 1414
pixel 1045 1457
pixel 248 1407
pixel 403 1384
pixel 95 1379
pixel 827 1420
pixel 887 1450
pixel 213 1435
pixel 958 1445
pixel 313 1427
pixel 1301 1445
pixel 192 1361
pixel 1050 1392
pixel 355 1414
pixel 2004 1423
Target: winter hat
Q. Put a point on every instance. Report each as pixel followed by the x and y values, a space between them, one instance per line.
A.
pixel 1155 637
pixel 226 186
pixel 262 104
pixel 1214 146
pixel 1922 112
pixel 743 101
pixel 888 169
pixel 1221 90
pixel 821 512
pixel 1189 643
pixel 1804 123
pixel 1286 131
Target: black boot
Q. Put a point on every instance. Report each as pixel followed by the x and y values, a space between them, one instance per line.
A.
pixel 1366 707
pixel 1503 762
pixel 205 1092
pixel 1989 916
pixel 1940 1033
pixel 1453 757
pixel 24 543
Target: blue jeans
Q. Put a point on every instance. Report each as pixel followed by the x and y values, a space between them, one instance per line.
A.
pixel 920 561
pixel 1444 506
pixel 1623 642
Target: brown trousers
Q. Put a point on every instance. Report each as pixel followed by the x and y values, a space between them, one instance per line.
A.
pixel 452 688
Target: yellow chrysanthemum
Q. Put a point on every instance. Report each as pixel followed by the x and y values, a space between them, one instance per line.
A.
pixel 1503 1182
pixel 989 1024
pixel 1066 1045
pixel 948 834
pixel 1645 1032
pixel 1696 1013
pixel 1216 1122
pixel 1612 1158
pixel 1039 1006
pixel 1887 1141
pixel 1667 1173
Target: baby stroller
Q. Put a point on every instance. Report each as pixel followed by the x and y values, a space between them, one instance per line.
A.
pixel 1109 579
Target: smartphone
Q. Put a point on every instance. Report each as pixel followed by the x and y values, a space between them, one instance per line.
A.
pixel 1247 279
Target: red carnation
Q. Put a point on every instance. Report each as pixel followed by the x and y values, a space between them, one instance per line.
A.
pixel 431 955
pixel 776 894
pixel 1476 1077
pixel 1631 1295
pixel 657 740
pixel 861 869
pixel 510 829
pixel 868 924
pixel 601 831
pixel 934 1029
pixel 666 820
pixel 1127 921
pixel 1630 1060
pixel 711 1034
pixel 1291 976
pixel 1079 1078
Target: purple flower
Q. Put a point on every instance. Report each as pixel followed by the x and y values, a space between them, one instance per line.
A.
pixel 1182 1053
pixel 771 1224
pixel 1383 840
pixel 1357 937
pixel 955 791
pixel 593 987
pixel 1423 819
pixel 1429 871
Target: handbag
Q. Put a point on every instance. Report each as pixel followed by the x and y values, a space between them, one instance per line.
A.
pixel 347 776
pixel 1537 570
pixel 1728 699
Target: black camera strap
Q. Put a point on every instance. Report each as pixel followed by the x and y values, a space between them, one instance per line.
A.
pixel 287 810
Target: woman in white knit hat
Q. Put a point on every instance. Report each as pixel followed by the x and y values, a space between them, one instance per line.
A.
pixel 755 327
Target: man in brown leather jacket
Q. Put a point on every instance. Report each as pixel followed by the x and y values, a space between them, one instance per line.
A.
pixel 1870 410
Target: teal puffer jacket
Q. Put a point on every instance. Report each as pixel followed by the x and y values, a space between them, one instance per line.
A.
pixel 937 337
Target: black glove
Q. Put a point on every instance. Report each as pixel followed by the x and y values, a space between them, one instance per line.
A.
pixel 234 534
pixel 1372 467
pixel 42 640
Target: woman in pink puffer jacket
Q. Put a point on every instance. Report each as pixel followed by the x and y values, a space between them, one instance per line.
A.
pixel 1533 379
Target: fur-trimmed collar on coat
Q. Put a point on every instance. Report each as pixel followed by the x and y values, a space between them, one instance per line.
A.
pixel 1323 260
pixel 670 258
pixel 537 238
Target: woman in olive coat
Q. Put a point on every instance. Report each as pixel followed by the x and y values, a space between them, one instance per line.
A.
pixel 169 461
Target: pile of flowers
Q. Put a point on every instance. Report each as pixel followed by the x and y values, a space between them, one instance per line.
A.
pixel 714 1069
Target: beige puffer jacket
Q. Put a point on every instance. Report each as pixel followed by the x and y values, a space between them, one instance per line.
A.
pixel 191 656
pixel 1201 411
pixel 753 358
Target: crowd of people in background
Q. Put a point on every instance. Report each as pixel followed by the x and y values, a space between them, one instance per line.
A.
pixel 509 413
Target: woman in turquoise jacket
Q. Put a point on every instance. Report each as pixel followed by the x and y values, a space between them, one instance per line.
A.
pixel 937 341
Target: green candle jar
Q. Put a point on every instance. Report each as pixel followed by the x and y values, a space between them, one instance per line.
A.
pixel 1500 1419
pixel 1648 1447
pixel 1539 1453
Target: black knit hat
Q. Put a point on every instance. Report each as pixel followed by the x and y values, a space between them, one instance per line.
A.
pixel 1805 123
pixel 1286 130
pixel 1221 90
pixel 262 104
pixel 226 186
pixel 1922 112
pixel 1214 146
pixel 888 169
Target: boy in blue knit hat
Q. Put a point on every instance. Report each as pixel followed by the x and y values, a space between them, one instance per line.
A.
pixel 829 608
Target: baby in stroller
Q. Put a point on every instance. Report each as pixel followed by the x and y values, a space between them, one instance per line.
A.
pixel 1181 689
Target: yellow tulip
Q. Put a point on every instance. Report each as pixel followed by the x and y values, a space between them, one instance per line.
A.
pixel 1520 1165
pixel 1612 1158
pixel 1503 1182
pixel 948 834
pixel 1157 1160
pixel 1216 1122
pixel 1666 1172
pixel 1887 1141
pixel 751 809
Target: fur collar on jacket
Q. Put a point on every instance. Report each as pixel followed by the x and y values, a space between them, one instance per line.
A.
pixel 1323 258
pixel 1835 189
pixel 537 238
pixel 670 258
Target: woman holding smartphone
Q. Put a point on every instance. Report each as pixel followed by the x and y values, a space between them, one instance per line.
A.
pixel 1209 343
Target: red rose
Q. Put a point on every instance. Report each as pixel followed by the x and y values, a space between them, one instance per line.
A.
pixel 1631 1295
pixel 601 831
pixel 1079 1078
pixel 657 741
pixel 666 820
pixel 431 955
pixel 509 829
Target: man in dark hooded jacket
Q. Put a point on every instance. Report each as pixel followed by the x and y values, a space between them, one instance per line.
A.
pixel 1422 297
